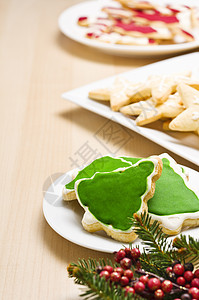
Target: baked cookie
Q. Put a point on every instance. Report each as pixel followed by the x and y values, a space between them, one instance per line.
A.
pixel 100 94
pixel 118 13
pixel 102 164
pixel 165 85
pixel 116 38
pixel 188 120
pixel 149 112
pixel 155 18
pixel 169 109
pixel 137 4
pixel 139 107
pixel 175 203
pixel 111 198
pixel 118 93
pixel 138 30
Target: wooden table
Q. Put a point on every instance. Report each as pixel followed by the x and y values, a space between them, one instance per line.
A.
pixel 40 134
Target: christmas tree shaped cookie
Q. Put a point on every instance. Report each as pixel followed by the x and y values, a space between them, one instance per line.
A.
pixel 175 203
pixel 102 164
pixel 111 198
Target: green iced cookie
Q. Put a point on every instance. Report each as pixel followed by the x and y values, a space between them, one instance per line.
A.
pixel 172 195
pixel 113 197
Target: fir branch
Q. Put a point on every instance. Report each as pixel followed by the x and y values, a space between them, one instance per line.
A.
pixel 157 249
pixel 188 249
pixel 97 287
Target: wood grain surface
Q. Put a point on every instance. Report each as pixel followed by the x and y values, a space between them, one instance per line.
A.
pixel 40 134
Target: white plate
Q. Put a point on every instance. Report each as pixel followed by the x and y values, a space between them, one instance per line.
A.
pixel 183 144
pixel 65 218
pixel 68 25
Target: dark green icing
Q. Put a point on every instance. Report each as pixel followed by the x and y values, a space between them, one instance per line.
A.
pixel 102 164
pixel 172 196
pixel 114 197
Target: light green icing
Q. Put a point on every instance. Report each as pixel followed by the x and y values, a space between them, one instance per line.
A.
pixel 172 196
pixel 102 164
pixel 114 197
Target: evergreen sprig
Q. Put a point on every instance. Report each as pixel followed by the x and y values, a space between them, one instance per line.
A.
pixel 188 249
pixel 157 254
pixel 85 274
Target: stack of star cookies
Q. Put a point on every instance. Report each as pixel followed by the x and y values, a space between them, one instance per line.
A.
pixel 172 98
pixel 134 22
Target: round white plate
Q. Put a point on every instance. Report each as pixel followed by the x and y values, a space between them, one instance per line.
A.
pixel 68 25
pixel 65 217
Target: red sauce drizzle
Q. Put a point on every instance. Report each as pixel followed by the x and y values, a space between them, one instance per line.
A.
pixel 132 27
pixel 151 41
pixel 187 33
pixel 158 17
pixel 174 10
pixel 92 35
pixel 82 19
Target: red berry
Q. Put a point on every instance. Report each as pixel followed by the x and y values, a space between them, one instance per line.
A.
pixel 178 269
pixel 175 262
pixel 120 255
pixel 187 285
pixel 195 282
pixel 109 269
pixel 196 273
pixel 144 279
pixel 154 284
pixel 124 281
pixel 135 253
pixel 139 287
pixel 115 277
pixel 105 274
pixel 188 276
pixel 119 270
pixel 125 263
pixel 128 252
pixel 169 269
pixel 167 286
pixel 181 281
pixel 194 292
pixel 130 290
pixel 138 264
pixel 128 273
pixel 159 294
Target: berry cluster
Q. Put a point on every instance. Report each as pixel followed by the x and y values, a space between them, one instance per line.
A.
pixel 181 278
pixel 184 276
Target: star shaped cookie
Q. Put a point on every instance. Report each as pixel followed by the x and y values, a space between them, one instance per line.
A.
pixel 188 120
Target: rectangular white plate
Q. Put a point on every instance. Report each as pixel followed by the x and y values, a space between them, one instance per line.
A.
pixel 183 144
